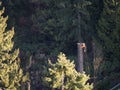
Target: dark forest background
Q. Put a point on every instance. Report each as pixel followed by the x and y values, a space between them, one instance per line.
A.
pixel 43 28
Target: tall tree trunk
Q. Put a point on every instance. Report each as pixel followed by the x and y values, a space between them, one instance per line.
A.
pixel 80 41
pixel 79 27
pixel 80 57
pixel 115 14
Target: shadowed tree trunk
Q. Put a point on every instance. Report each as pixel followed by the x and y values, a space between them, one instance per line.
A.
pixel 80 50
pixel 80 57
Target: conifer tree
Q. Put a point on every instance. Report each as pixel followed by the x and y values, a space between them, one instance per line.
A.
pixel 109 36
pixel 10 72
pixel 108 33
pixel 62 75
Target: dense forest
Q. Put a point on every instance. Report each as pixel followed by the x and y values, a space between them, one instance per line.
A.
pixel 48 34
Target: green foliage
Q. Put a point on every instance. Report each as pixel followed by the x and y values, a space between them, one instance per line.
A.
pixel 57 24
pixel 108 82
pixel 51 26
pixel 63 73
pixel 10 71
pixel 108 32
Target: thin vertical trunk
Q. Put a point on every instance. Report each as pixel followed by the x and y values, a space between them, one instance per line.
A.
pixel 115 14
pixel 80 57
pixel 62 88
pixel 79 27
pixel 28 85
pixel 80 50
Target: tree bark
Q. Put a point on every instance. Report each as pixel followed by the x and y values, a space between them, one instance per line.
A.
pixel 28 85
pixel 80 57
pixel 79 27
pixel 80 49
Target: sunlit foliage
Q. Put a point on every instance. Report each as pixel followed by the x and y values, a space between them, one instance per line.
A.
pixel 10 72
pixel 63 75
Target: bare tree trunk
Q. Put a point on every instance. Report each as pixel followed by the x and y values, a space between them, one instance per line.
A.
pixel 80 49
pixel 79 28
pixel 28 85
pixel 80 57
